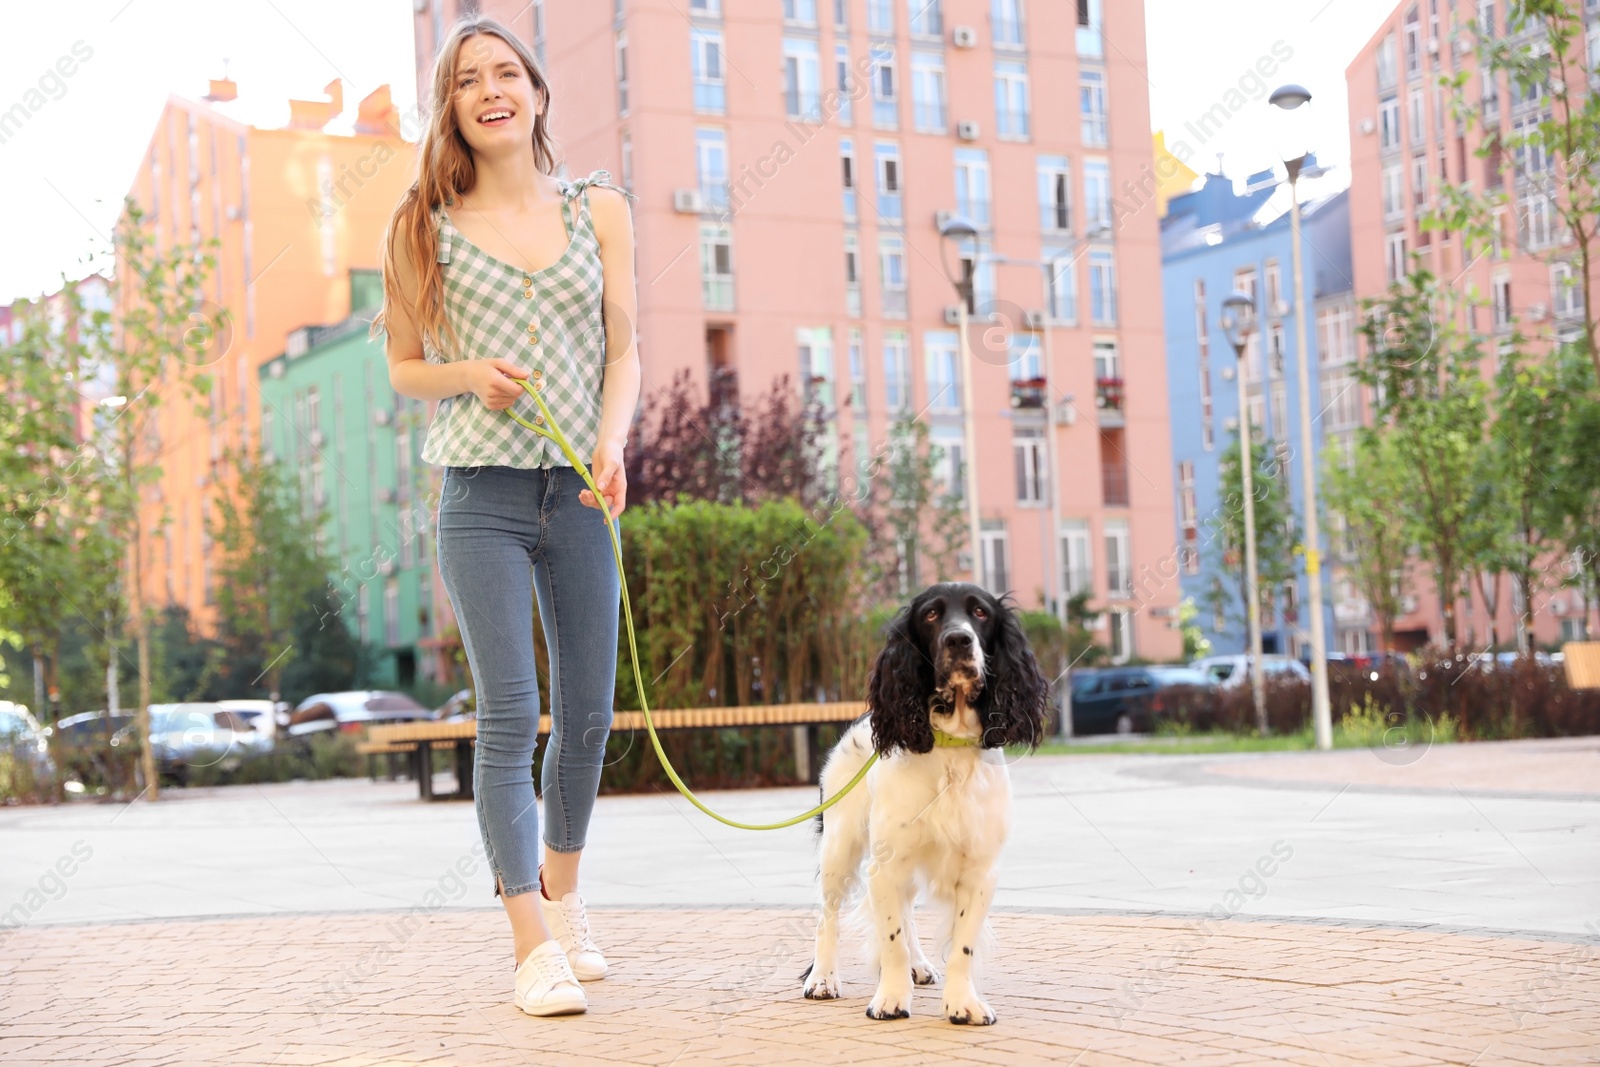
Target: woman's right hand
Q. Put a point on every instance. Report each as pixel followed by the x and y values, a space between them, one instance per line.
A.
pixel 494 381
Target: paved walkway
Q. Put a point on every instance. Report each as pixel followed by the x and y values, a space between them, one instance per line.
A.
pixel 1447 911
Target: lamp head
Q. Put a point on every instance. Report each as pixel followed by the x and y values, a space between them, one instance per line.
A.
pixel 1238 318
pixel 1289 96
pixel 957 228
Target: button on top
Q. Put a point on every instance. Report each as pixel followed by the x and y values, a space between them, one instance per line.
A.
pixel 538 374
pixel 527 282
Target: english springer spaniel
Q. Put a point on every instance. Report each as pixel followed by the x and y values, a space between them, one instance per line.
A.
pixel 954 682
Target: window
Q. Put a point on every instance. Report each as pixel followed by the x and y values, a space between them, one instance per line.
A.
pixel 1092 107
pixel 802 80
pixel 892 275
pixel 1413 43
pixel 1188 519
pixel 858 381
pixel 1097 195
pixel 942 352
pixel 1119 568
pixel 1055 195
pixel 801 11
pixel 1438 113
pixel 710 92
pixel 841 14
pixel 1275 350
pixel 927 92
pixel 622 74
pixel 1280 411
pixel 1386 62
pixel 1121 625
pixel 1394 256
pixel 1273 280
pixel 1343 404
pixel 815 349
pixel 885 90
pixel 1566 290
pixel 1389 122
pixel 886 154
pixel 1005 22
pixel 1528 148
pixel 1061 285
pixel 1244 281
pixel 1028 454
pixel 391 611
pixel 926 17
pixel 1102 288
pixel 852 274
pixel 1419 181
pixel 896 371
pixel 711 163
pixel 1394 205
pixel 705 7
pixel 1077 565
pixel 880 16
pixel 949 468
pixel 1107 363
pixel 1536 221
pixel 1501 297
pixel 996 573
pixel 1089 28
pixel 847 163
pixel 844 82
pixel 1336 334
pixel 363 598
pixel 716 266
pixel 972 184
pixel 1011 98
pixel 1415 122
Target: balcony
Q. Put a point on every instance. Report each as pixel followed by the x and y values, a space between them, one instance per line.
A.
pixel 1028 393
pixel 1108 401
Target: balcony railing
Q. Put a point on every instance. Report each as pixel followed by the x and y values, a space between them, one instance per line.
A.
pixel 1108 394
pixel 1114 484
pixel 1028 393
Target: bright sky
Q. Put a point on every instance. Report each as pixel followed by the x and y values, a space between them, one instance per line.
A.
pixel 62 175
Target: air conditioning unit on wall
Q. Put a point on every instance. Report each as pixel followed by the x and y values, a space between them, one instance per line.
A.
pixel 688 201
pixel 964 37
pixel 952 315
pixel 968 130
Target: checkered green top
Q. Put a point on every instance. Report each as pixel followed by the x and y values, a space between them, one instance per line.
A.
pixel 548 321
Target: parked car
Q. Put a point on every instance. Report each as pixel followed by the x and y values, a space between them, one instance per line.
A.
pixel 92 727
pixel 198 734
pixel 1133 699
pixel 1231 671
pixel 353 711
pixel 260 714
pixel 461 706
pixel 24 738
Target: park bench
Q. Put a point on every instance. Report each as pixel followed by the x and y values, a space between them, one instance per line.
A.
pixel 1581 659
pixel 420 739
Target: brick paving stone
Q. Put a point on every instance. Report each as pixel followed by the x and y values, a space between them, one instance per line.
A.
pixel 721 987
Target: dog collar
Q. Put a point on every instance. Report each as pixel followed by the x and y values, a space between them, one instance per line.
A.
pixel 944 740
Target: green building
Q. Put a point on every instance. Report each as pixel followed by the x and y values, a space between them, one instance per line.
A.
pixel 355 446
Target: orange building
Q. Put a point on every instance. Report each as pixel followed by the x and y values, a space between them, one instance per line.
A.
pixel 294 210
pixel 1405 142
pixel 793 162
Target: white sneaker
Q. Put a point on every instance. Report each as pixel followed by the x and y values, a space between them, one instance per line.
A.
pixel 545 984
pixel 569 924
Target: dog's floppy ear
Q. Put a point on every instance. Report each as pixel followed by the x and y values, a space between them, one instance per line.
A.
pixel 1015 693
pixel 898 689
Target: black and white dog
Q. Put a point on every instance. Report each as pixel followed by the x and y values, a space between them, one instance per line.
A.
pixel 954 682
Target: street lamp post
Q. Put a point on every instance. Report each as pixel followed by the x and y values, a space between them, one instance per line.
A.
pixel 1289 98
pixel 957 228
pixel 1238 320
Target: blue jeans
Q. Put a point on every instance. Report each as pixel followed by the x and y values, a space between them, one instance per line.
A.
pixel 505 532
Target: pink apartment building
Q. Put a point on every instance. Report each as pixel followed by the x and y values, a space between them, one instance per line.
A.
pixel 793 159
pixel 1404 141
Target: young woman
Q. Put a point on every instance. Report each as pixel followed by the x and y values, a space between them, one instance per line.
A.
pixel 496 273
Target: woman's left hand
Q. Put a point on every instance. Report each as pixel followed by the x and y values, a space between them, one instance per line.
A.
pixel 612 478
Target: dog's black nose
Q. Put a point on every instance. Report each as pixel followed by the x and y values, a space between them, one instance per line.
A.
pixel 958 639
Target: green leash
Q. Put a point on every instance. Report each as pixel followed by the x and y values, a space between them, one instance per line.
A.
pixel 554 433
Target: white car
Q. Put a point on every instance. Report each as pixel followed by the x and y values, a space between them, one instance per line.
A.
pixel 260 714
pixel 1231 671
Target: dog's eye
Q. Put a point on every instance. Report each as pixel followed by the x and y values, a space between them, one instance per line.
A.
pixel 980 613
pixel 931 614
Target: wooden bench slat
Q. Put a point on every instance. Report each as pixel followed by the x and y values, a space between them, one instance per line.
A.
pixel 669 719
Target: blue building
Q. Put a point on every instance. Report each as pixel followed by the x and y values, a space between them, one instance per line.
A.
pixel 1214 241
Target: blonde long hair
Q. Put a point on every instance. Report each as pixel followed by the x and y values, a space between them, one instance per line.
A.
pixel 445 170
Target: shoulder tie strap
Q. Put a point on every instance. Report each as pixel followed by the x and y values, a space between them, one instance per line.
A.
pixel 600 177
pixel 442 223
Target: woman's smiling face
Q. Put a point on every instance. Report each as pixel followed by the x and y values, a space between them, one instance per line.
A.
pixel 495 98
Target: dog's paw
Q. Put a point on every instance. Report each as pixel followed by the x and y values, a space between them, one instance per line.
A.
pixel 924 973
pixel 969 1011
pixel 887 1005
pixel 821 985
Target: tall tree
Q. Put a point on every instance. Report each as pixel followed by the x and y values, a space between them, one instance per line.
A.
pixel 1430 394
pixel 1274 529
pixel 923 523
pixel 1366 495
